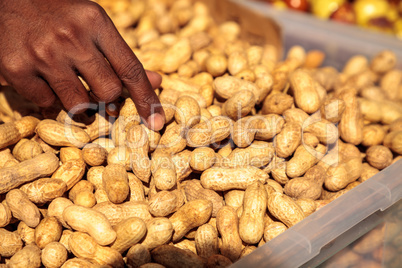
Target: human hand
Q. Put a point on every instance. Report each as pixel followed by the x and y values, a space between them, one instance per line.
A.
pixel 45 45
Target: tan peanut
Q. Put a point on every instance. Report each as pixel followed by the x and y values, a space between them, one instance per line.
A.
pixel 94 176
pixel 163 171
pixel 70 172
pixel 49 230
pixel 192 214
pixel 118 212
pixel 185 244
pixel 137 140
pixel 101 126
pixel 216 64
pixel 258 154
pixel 70 153
pixel 234 198
pixel 105 143
pixel 94 154
pixel 84 246
pixel 383 61
pixel 351 124
pixel 56 208
pixel 214 110
pixel 82 194
pixel 379 156
pixel 159 232
pixel 29 256
pixel 304 158
pixel 129 232
pixel 287 141
pixel 251 222
pixel 54 255
pixel 136 188
pixel 239 105
pixel 5 155
pixel 65 236
pixel 77 262
pixel 227 86
pixel 202 158
pixel 120 155
pixel 182 164
pixel 10 243
pixel 268 126
pixel 115 183
pixel 393 140
pixel 373 135
pixel 237 62
pixel 41 166
pixel 296 115
pixel 355 65
pixel 26 149
pixel 277 103
pixel 162 203
pixel 285 209
pixel 58 134
pixel 338 177
pixel 90 221
pixel 206 241
pixel 12 132
pixel 26 233
pixel 172 141
pixel 193 191
pixel 325 131
pixel 309 186
pixel 310 140
pixel 227 223
pixel 205 133
pixel 275 185
pixel 176 55
pixel 332 110
pixel 188 111
pixel 304 87
pixel 22 208
pixel 44 190
pixel 223 179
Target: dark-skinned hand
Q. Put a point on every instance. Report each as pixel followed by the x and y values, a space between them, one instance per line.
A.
pixel 45 45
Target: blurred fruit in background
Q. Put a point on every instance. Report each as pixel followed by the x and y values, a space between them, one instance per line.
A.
pixel 379 15
pixel 345 13
pixel 324 8
pixel 300 5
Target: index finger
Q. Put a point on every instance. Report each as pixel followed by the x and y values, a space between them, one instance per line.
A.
pixel 133 76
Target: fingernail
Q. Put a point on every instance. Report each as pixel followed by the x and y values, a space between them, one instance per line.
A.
pixel 156 122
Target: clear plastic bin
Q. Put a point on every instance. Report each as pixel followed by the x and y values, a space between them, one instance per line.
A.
pixel 327 231
pixel 337 228
pixel 339 41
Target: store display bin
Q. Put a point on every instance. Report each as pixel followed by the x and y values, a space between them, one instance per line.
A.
pixel 371 213
pixel 330 229
pixel 339 41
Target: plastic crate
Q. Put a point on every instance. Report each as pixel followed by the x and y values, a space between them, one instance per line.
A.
pixel 337 228
pixel 339 41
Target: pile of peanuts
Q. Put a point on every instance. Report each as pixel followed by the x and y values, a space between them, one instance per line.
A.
pixel 252 145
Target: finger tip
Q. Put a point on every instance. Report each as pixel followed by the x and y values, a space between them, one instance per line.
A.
pixel 156 121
